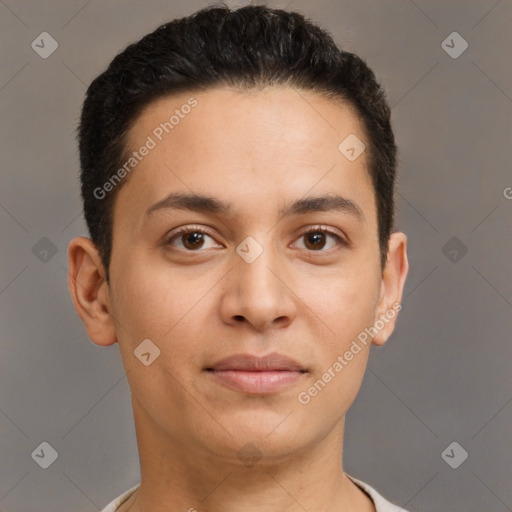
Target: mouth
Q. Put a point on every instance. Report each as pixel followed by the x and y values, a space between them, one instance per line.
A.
pixel 257 375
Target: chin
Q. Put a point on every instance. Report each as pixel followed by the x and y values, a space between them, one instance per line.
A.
pixel 257 439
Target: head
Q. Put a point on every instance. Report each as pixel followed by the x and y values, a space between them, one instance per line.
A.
pixel 227 217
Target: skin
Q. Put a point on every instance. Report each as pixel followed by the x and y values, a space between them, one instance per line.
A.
pixel 307 300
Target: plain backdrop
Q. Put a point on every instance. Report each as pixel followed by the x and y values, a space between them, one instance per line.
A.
pixel 443 377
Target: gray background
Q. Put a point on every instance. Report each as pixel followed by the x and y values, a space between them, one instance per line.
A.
pixel 445 374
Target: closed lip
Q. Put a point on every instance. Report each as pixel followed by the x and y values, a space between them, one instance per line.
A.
pixel 253 363
pixel 257 375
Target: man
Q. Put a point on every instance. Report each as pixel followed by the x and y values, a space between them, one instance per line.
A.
pixel 237 176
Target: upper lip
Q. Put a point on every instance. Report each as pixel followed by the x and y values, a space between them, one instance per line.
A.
pixel 249 362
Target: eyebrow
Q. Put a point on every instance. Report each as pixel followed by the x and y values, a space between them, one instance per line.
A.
pixel 207 204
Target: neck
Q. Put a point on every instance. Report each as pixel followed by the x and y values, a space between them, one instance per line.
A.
pixel 176 476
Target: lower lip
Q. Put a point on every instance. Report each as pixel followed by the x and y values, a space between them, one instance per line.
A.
pixel 257 382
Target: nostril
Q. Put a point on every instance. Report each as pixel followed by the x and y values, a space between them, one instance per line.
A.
pixel 240 318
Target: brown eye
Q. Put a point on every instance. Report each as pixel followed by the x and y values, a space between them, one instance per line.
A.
pixel 315 240
pixel 321 240
pixel 191 240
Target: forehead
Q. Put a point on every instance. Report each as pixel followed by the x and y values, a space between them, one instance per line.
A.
pixel 273 116
pixel 250 145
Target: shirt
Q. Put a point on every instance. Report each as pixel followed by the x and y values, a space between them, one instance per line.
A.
pixel 381 504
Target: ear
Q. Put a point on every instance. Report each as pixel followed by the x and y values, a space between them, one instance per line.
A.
pixel 89 290
pixel 392 286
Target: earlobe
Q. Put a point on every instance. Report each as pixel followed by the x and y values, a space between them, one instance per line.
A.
pixel 89 290
pixel 392 286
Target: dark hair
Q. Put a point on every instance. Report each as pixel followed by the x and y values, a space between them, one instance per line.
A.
pixel 250 47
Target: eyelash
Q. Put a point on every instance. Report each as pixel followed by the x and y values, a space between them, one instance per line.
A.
pixel 198 229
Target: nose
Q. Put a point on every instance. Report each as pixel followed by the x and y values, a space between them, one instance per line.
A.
pixel 257 293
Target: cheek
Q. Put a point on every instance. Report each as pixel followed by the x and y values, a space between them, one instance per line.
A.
pixel 344 302
pixel 345 307
pixel 168 310
pixel 173 310
pixel 150 300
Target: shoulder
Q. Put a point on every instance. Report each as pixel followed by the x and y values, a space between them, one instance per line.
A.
pixel 115 504
pixel 381 503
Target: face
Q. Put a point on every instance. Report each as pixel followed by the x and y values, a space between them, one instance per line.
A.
pixel 246 249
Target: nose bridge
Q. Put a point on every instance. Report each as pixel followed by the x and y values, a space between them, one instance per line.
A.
pixel 253 268
pixel 258 294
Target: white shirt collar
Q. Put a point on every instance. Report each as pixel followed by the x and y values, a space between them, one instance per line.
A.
pixel 381 504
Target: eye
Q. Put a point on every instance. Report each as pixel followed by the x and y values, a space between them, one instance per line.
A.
pixel 317 239
pixel 194 238
pixel 191 238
